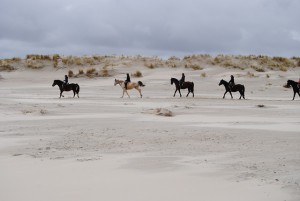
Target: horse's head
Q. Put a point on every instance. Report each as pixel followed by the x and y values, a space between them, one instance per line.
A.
pixel 116 82
pixel 289 83
pixel 54 83
pixel 221 82
pixel 172 80
pixel 57 82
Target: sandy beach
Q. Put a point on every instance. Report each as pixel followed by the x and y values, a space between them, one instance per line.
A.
pixel 103 147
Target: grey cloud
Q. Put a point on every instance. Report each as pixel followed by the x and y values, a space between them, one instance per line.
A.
pixel 149 27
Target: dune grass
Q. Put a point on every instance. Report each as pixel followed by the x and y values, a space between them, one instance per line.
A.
pixel 259 63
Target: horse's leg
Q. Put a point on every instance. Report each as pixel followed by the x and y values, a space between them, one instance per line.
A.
pixel 73 93
pixel 127 93
pixel 192 90
pixel 241 94
pixel 188 93
pixel 231 94
pixel 294 95
pixel 140 91
pixel 61 91
pixel 175 92
pixel 225 94
pixel 179 92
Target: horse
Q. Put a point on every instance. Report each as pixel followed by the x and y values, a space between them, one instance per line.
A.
pixel 185 85
pixel 130 85
pixel 295 86
pixel 68 87
pixel 238 87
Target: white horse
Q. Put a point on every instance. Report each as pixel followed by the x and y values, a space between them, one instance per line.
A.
pixel 130 85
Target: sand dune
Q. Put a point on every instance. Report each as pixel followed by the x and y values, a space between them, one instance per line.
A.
pixel 159 147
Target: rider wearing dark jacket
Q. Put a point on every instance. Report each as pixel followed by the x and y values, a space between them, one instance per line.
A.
pixel 66 81
pixel 182 80
pixel 231 82
pixel 127 80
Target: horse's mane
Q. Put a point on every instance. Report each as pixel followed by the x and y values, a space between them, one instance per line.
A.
pixel 292 82
pixel 58 81
pixel 224 81
pixel 119 80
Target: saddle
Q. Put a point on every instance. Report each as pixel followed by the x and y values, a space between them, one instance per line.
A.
pixel 64 85
pixel 126 83
pixel 231 86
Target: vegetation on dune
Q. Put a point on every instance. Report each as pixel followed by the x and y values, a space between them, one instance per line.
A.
pixel 6 66
pixel 103 65
pixel 91 72
pixel 104 72
pixel 137 74
pixel 70 73
pixel 34 64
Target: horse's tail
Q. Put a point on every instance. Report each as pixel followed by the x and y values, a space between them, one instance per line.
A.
pixel 77 88
pixel 244 89
pixel 193 87
pixel 141 84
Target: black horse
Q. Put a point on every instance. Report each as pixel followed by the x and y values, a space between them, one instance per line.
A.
pixel 238 87
pixel 185 85
pixel 295 86
pixel 69 87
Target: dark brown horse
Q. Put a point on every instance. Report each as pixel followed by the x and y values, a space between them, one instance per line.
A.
pixel 238 87
pixel 295 86
pixel 185 85
pixel 69 87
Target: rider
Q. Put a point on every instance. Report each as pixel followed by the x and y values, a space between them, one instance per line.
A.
pixel 127 80
pixel 182 80
pixel 231 82
pixel 66 82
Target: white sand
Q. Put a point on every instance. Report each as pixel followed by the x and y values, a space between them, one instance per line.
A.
pixel 101 147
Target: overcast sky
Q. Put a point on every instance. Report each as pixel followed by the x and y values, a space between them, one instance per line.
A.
pixel 149 27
